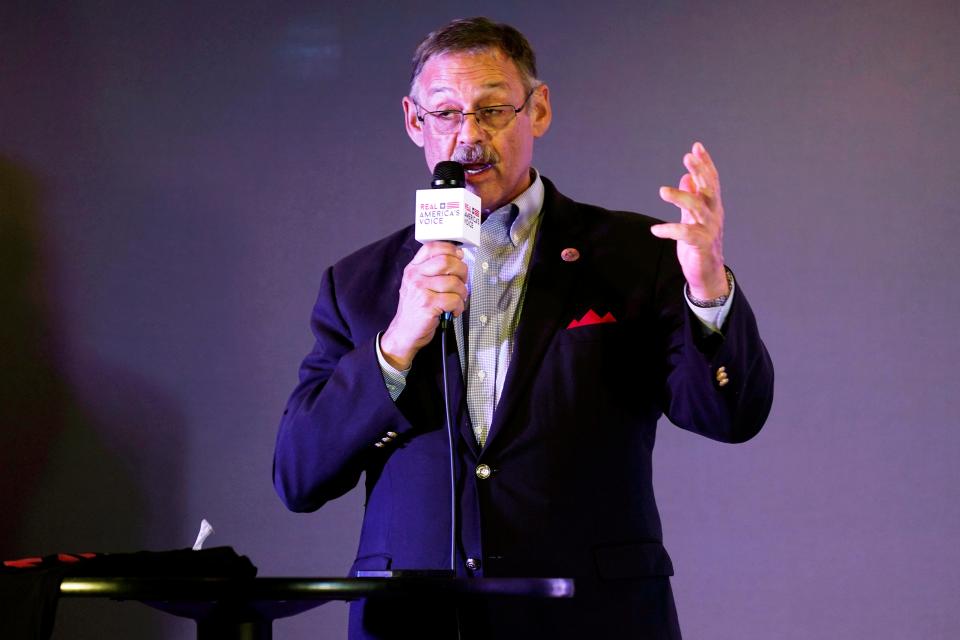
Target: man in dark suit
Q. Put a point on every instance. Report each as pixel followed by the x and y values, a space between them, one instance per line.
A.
pixel 576 328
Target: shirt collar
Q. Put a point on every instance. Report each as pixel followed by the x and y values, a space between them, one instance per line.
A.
pixel 528 206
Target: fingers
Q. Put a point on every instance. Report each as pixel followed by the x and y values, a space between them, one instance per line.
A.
pixel 697 197
pixel 703 172
pixel 680 232
pixel 701 165
pixel 442 265
pixel 434 282
pixel 421 307
pixel 707 161
pixel 693 207
pixel 440 274
pixel 436 279
pixel 437 258
pixel 699 234
pixel 436 248
pixel 698 193
pixel 442 285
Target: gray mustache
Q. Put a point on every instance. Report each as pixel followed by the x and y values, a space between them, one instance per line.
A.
pixel 475 154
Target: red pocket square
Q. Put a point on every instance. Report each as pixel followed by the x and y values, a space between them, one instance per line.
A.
pixel 591 317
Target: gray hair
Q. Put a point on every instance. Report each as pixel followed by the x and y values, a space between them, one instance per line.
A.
pixel 475 35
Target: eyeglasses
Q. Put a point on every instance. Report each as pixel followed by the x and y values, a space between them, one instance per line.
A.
pixel 492 118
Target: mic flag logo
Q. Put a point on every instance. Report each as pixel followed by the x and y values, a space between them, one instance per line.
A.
pixel 448 214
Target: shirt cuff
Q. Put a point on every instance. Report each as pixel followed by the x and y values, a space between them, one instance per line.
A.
pixel 712 318
pixel 395 379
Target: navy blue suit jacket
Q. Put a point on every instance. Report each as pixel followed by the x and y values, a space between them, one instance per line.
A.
pixel 570 445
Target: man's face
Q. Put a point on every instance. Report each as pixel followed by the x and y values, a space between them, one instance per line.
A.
pixel 497 163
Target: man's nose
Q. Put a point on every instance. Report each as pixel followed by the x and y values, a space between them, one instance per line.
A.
pixel 470 130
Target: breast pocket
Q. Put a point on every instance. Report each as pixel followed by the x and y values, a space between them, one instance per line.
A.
pixel 590 333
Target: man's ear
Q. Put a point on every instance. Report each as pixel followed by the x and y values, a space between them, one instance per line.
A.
pixel 412 123
pixel 540 111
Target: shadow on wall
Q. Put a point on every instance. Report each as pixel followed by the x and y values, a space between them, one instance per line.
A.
pixel 91 465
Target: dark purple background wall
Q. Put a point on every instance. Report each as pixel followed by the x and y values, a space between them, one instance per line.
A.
pixel 173 180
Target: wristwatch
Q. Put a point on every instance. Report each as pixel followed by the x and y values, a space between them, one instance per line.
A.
pixel 710 302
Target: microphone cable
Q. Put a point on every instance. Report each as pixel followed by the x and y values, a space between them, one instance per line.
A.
pixel 445 321
pixel 451 438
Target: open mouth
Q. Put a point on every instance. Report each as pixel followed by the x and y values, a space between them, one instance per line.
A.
pixel 476 168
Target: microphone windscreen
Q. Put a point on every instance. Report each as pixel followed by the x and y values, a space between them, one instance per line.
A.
pixel 448 174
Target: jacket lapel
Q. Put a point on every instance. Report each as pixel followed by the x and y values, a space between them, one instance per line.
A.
pixel 549 282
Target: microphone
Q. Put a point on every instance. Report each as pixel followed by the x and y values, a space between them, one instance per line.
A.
pixel 447 211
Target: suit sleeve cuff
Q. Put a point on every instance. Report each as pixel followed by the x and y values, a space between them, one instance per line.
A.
pixel 395 379
pixel 711 318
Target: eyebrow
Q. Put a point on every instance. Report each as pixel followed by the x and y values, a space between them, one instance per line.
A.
pixel 491 85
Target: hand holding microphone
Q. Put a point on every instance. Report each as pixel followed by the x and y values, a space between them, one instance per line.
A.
pixel 435 281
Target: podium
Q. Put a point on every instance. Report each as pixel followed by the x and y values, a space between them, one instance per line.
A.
pixel 245 608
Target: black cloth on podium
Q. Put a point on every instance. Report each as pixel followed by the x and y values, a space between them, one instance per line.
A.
pixel 30 587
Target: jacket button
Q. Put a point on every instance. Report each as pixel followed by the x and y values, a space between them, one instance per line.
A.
pixel 722 378
pixel 473 564
pixel 483 471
